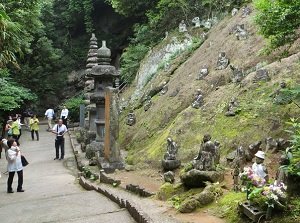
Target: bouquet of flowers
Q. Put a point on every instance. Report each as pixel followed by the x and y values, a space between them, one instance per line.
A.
pixel 275 193
pixel 251 181
pixel 249 178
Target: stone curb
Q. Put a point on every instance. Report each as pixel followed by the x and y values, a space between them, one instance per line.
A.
pixel 136 214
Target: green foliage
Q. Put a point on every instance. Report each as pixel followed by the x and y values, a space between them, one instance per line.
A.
pixel 278 21
pixel 293 152
pixel 175 201
pixel 130 61
pixel 12 95
pixel 10 39
pixel 73 105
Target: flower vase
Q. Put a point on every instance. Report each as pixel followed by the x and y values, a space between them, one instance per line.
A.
pixel 269 212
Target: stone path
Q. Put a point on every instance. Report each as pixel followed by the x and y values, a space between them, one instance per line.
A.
pixel 52 192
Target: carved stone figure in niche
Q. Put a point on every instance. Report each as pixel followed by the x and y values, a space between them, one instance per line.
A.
pixel 252 150
pixel 172 149
pixel 209 154
pixel 182 27
pixel 222 62
pixel 203 72
pixel 262 75
pixel 199 100
pixel 196 21
pixel 234 12
pixel 237 74
pixel 259 167
pixel 164 89
pixel 246 11
pixel 170 162
pixel 131 118
pixel 148 104
pixel 232 108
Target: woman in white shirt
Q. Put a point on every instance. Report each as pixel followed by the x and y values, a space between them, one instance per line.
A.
pixel 14 165
pixel 64 115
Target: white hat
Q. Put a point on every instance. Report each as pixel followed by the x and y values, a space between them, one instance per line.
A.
pixel 260 154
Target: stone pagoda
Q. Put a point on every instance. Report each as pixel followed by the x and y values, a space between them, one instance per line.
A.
pixel 89 88
pixel 105 98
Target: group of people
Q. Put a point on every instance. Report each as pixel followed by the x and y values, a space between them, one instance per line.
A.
pixel 11 145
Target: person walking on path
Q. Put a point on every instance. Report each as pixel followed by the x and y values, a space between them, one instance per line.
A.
pixel 14 165
pixel 64 115
pixel 34 127
pixel 15 130
pixel 49 115
pixel 59 130
pixel 8 129
pixel 27 115
pixel 19 125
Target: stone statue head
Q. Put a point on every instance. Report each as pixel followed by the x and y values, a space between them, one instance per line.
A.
pixel 206 137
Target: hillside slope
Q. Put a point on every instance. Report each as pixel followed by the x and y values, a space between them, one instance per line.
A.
pixel 174 117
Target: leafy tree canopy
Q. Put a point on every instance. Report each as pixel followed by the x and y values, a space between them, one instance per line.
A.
pixel 278 21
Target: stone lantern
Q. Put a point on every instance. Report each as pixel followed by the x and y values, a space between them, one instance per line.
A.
pixel 107 118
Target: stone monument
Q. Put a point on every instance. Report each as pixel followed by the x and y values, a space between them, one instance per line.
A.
pixel 204 165
pixel 196 21
pixel 203 72
pixel 237 74
pixel 107 117
pixel 222 62
pixel 252 150
pixel 89 88
pixel 199 100
pixel 259 167
pixel 232 108
pixel 182 27
pixel 164 89
pixel 170 162
pixel 131 118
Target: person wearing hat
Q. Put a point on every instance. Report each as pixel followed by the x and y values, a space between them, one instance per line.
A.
pixel 259 167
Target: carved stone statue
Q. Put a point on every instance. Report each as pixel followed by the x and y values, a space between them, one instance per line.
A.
pixel 246 11
pixel 199 100
pixel 261 75
pixel 252 150
pixel 259 167
pixel 281 174
pixel 148 105
pixel 234 12
pixel 131 118
pixel 196 21
pixel 237 74
pixel 203 72
pixel 182 27
pixel 232 107
pixel 166 66
pixel 208 24
pixel 172 149
pixel 203 36
pixel 241 33
pixel 222 62
pixel 164 89
pixel 170 162
pixel 209 154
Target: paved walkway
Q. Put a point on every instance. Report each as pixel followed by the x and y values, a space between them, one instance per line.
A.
pixel 52 192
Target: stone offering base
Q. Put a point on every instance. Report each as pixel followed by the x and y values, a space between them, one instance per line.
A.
pixel 252 212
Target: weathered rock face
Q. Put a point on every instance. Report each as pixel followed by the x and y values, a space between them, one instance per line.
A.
pixel 197 178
